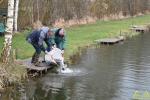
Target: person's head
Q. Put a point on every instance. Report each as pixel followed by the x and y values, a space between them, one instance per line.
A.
pixel 50 32
pixel 62 31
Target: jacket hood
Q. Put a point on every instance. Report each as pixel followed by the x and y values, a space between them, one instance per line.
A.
pixel 45 29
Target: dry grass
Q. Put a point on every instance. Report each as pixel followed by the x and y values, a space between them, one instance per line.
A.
pixel 88 20
pixel 10 72
pixel 115 16
pixel 37 25
pixel 74 22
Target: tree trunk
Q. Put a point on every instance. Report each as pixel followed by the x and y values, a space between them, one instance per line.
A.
pixel 38 9
pixel 5 56
pixel 16 15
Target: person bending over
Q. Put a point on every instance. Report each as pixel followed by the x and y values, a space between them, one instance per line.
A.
pixel 36 38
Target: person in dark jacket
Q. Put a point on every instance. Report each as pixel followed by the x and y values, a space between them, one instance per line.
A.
pixel 36 38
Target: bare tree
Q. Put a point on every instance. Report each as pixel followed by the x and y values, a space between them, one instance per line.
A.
pixel 8 35
pixel 16 15
pixel 49 11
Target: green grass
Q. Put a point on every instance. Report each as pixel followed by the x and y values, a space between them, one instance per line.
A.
pixel 82 35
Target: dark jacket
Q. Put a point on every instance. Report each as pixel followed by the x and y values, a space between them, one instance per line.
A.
pixel 38 36
pixel 56 38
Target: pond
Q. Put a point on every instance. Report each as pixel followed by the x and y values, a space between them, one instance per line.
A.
pixel 103 72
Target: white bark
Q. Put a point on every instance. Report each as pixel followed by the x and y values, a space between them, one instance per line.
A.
pixel 38 8
pixel 16 15
pixel 8 34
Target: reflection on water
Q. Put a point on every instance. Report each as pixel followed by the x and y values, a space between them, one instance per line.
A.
pixel 107 72
pixel 47 88
pixel 53 87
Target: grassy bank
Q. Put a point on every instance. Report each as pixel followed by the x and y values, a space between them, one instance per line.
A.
pixel 82 35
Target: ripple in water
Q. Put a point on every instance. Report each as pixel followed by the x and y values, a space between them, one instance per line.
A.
pixel 74 72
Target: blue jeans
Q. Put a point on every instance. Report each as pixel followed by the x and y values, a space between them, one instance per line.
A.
pixel 34 44
pixel 37 48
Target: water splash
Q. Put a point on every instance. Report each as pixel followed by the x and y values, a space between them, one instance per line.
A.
pixel 66 71
pixel 73 72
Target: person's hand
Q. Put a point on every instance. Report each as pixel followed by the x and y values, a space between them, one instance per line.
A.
pixel 62 52
pixel 46 52
pixel 54 46
pixel 52 57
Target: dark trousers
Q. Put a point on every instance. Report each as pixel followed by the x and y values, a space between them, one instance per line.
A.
pixel 37 48
pixel 35 45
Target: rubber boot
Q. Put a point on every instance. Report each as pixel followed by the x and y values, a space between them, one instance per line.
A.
pixel 44 59
pixel 33 57
pixel 36 60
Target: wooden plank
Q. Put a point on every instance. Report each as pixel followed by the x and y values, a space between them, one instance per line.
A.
pixel 31 67
pixel 109 40
pixel 138 29
pixel 38 68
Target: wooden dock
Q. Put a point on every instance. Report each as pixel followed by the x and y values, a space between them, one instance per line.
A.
pixel 31 67
pixel 108 40
pixel 138 29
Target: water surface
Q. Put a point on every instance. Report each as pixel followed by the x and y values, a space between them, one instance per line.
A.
pixel 105 72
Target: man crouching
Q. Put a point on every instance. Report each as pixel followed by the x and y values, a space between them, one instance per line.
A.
pixel 36 38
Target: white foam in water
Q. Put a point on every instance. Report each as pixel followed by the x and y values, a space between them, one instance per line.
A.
pixel 73 72
pixel 66 71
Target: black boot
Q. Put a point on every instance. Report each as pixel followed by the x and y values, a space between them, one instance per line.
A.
pixel 36 60
pixel 33 57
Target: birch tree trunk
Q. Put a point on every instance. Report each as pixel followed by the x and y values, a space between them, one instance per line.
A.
pixel 16 15
pixel 5 56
